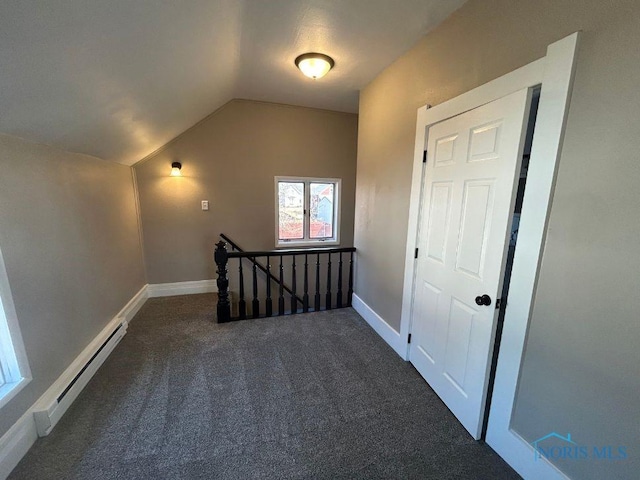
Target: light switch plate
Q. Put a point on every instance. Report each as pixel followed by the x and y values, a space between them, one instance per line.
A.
pixel 205 205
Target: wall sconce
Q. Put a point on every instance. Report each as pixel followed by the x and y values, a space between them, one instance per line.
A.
pixel 175 169
pixel 314 65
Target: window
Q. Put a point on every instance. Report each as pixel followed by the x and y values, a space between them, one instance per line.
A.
pixel 14 371
pixel 307 211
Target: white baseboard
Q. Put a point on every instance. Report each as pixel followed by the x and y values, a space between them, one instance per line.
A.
pixel 131 308
pixel 181 288
pixel 16 443
pixel 519 454
pixel 50 407
pixel 381 327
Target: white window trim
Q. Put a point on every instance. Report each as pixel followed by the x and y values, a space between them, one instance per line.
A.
pixel 13 358
pixel 307 242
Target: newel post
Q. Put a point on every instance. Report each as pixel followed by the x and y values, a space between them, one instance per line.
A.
pixel 224 307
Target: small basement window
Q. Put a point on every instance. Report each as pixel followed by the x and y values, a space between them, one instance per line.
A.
pixel 307 211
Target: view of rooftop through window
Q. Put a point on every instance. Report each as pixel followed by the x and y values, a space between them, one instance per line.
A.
pixel 291 207
pixel 295 198
pixel 321 210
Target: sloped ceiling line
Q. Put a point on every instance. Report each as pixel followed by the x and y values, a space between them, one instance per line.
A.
pixel 119 79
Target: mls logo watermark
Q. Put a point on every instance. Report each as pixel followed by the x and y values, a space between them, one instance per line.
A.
pixel 555 446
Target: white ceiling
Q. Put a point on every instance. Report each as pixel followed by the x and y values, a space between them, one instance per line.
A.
pixel 118 79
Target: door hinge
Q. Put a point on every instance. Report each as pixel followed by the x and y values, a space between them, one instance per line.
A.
pixel 424 157
pixel 498 303
pixel 415 255
pixel 409 339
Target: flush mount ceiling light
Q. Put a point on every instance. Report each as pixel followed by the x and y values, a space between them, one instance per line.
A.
pixel 175 169
pixel 314 65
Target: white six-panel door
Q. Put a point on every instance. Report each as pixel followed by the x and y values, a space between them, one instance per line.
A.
pixel 470 181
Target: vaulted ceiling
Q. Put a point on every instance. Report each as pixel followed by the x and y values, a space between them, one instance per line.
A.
pixel 117 79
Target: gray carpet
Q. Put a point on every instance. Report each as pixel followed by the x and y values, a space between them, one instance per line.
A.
pixel 307 396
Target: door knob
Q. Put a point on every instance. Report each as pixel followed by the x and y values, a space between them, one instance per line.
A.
pixel 483 300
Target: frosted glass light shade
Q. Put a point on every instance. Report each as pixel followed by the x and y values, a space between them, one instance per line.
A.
pixel 175 169
pixel 314 65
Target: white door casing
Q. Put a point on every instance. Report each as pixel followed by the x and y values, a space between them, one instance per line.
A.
pixel 560 64
pixel 555 72
pixel 471 176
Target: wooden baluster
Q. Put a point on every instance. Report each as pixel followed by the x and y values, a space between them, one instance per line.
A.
pixel 242 305
pixel 269 303
pixel 328 297
pixel 305 297
pixel 350 292
pixel 281 285
pixel 339 294
pixel 221 258
pixel 255 305
pixel 294 300
pixel 316 303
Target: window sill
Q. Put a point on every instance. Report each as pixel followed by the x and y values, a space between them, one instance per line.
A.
pixel 308 243
pixel 10 390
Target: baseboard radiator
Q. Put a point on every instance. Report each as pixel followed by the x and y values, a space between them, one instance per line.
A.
pixel 63 392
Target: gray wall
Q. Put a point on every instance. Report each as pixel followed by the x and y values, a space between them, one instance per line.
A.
pixel 70 242
pixel 580 371
pixel 230 159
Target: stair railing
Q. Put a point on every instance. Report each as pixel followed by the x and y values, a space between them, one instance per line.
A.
pixel 297 304
pixel 258 265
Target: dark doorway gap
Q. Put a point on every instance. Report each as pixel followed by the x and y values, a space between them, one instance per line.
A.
pixel 524 168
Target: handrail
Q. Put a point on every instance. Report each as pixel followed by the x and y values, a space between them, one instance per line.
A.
pixel 231 242
pixel 288 252
pixel 281 251
pixel 251 257
pixel 330 299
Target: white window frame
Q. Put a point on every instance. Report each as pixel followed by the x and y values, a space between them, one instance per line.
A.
pixel 307 241
pixel 13 358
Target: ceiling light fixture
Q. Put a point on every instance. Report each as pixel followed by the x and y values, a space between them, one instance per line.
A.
pixel 314 65
pixel 175 169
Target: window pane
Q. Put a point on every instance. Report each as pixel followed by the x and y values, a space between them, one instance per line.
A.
pixel 322 210
pixel 291 210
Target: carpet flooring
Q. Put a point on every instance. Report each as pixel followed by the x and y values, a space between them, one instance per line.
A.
pixel 315 396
